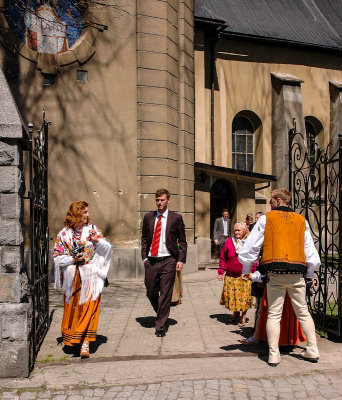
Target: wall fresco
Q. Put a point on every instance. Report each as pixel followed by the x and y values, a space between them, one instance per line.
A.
pixel 45 26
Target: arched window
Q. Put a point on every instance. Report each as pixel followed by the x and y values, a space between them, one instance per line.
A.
pixel 242 144
pixel 312 128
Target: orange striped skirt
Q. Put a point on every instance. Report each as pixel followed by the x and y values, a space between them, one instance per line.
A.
pixel 79 321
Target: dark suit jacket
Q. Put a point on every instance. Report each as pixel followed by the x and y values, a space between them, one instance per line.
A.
pixel 175 229
pixel 219 230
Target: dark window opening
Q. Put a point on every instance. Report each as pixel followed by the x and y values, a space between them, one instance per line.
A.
pixel 311 140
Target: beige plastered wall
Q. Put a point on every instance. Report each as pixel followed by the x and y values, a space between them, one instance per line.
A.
pixel 127 131
pixel 92 139
pixel 243 74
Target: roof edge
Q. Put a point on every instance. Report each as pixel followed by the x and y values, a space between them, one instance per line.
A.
pixel 266 39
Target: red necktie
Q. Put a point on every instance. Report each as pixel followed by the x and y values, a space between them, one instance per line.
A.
pixel 156 238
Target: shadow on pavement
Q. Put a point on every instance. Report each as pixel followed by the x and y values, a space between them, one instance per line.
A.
pixel 256 349
pixel 75 349
pixel 223 318
pixel 146 322
pixel 100 339
pixel 149 322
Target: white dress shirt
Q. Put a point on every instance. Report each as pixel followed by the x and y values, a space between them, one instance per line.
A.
pixel 253 244
pixel 225 227
pixel 162 251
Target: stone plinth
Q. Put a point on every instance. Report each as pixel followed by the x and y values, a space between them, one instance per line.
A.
pixel 15 311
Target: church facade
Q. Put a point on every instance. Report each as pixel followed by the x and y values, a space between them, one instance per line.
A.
pixel 195 96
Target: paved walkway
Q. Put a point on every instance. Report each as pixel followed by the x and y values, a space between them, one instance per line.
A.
pixel 200 357
pixel 316 386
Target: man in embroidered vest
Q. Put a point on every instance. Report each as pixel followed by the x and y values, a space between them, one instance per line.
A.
pixel 289 255
pixel 163 250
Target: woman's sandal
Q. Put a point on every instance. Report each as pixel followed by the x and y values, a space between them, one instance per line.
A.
pixel 85 350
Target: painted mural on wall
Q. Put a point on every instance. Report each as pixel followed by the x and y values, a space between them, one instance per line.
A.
pixel 50 27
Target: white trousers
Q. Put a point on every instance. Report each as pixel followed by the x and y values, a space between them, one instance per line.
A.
pixel 294 285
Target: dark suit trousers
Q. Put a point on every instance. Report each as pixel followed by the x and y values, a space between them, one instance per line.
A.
pixel 159 281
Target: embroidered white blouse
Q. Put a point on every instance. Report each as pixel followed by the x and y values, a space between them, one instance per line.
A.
pixel 93 270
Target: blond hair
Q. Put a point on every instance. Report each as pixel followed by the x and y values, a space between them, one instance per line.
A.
pixel 282 194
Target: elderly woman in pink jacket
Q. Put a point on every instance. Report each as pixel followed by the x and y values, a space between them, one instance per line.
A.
pixel 236 293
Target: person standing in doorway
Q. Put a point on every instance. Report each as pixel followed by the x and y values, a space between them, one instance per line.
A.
pixel 222 229
pixel 163 250
pixel 289 255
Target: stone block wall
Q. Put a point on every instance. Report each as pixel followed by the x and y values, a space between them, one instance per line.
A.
pixel 165 103
pixel 15 308
pixel 165 120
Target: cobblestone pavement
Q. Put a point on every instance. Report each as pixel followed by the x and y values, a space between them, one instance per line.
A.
pixel 315 386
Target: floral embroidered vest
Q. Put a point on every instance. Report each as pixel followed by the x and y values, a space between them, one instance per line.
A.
pixel 284 242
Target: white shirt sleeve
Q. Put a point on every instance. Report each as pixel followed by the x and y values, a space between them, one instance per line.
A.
pixel 257 277
pixel 249 253
pixel 311 254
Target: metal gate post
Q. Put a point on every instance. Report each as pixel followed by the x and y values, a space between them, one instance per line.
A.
pixel 339 294
pixel 39 235
pixel 292 133
pixel 325 248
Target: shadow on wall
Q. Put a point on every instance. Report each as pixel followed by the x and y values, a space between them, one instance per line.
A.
pixel 91 129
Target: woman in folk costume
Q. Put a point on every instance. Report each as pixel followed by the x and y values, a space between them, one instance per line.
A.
pixel 236 293
pixel 82 259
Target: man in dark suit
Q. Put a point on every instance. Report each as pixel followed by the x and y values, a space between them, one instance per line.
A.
pixel 222 229
pixel 163 250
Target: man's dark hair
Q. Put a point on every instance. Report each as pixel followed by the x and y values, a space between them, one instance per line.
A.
pixel 225 210
pixel 161 192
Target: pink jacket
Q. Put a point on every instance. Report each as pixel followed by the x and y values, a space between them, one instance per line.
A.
pixel 229 262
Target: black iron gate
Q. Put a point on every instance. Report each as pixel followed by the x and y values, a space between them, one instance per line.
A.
pixel 315 184
pixel 39 235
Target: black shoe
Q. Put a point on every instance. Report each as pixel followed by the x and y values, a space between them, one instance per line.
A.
pixel 312 360
pixel 273 364
pixel 160 333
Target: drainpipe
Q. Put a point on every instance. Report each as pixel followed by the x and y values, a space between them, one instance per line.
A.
pixel 212 89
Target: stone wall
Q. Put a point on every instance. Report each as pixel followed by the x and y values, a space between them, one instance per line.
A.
pixel 165 121
pixel 15 309
pixel 166 105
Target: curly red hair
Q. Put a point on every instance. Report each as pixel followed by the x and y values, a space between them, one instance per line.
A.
pixel 74 215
